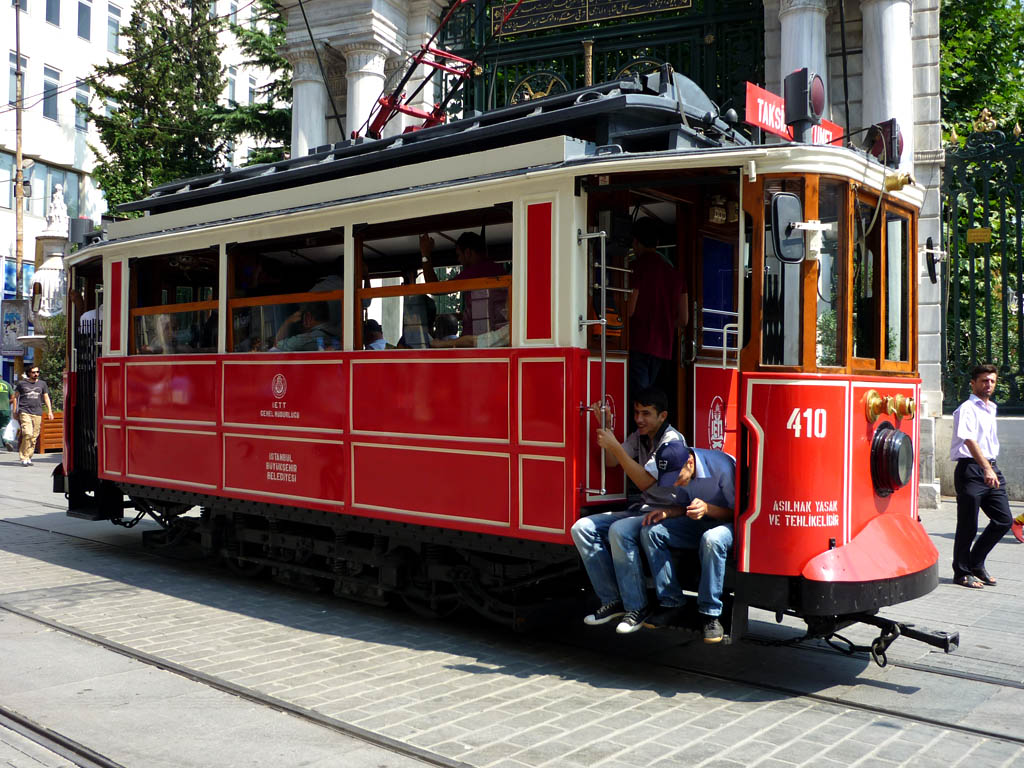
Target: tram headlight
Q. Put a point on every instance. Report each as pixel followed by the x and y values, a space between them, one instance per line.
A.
pixel 892 459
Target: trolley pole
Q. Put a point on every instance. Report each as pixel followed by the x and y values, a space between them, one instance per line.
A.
pixel 19 190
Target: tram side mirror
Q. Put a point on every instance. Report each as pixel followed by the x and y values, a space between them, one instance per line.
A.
pixel 787 212
pixel 37 298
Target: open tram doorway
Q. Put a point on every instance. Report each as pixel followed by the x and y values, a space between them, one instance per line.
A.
pixel 698 220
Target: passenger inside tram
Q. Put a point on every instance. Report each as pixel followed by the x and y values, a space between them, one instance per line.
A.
pixel 307 328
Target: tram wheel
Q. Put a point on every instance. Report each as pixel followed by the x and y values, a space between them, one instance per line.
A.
pixel 244 567
pixel 432 608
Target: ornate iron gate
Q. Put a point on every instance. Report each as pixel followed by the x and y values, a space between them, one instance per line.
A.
pixel 983 293
pixel 719 44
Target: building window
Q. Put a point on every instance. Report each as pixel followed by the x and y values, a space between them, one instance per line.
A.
pixel 113 28
pixel 213 9
pixel 53 11
pixel 22 5
pixel 51 84
pixel 6 180
pixel 84 19
pixel 14 78
pixel 110 107
pixel 232 73
pixel 233 13
pixel 252 91
pixel 81 102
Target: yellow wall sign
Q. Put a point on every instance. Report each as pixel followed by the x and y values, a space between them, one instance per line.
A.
pixel 979 235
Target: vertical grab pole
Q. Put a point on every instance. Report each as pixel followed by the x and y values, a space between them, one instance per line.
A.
pixel 603 322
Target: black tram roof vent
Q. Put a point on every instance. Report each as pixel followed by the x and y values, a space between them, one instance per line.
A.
pixel 662 111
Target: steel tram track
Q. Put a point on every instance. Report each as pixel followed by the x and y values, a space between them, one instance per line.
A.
pixel 55 742
pixel 431 758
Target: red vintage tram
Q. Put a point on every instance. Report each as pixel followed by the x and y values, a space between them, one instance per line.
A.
pixel 452 475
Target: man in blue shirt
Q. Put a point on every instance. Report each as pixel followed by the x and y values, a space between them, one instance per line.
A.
pixel 705 494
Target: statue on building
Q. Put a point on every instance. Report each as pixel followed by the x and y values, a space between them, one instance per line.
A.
pixel 57 217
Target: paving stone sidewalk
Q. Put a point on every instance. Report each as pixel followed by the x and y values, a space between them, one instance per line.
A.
pixel 497 700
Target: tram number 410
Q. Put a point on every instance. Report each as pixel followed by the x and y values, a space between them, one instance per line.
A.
pixel 810 423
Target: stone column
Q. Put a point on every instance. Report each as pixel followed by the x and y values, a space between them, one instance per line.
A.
pixel 803 38
pixel 888 81
pixel 365 77
pixel 310 104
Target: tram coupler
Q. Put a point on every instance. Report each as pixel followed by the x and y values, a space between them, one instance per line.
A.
pixel 947 641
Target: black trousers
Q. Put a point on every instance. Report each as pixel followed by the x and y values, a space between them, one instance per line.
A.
pixel 972 494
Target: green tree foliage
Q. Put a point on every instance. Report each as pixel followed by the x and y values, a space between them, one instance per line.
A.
pixel 982 61
pixel 51 358
pixel 166 124
pixel 268 121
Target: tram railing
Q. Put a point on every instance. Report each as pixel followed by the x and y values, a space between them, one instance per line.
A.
pixel 602 321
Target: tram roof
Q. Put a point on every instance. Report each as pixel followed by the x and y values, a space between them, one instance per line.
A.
pixel 645 114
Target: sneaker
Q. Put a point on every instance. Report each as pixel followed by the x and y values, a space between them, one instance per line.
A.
pixel 1017 526
pixel 26 463
pixel 605 613
pixel 713 631
pixel 632 621
pixel 665 616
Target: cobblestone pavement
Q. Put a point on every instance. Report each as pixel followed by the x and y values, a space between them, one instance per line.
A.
pixel 582 698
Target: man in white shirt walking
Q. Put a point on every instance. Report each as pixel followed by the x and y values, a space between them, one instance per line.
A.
pixel 978 481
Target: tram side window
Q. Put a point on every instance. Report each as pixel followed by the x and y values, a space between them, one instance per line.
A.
pixel 174 303
pixel 285 294
pixel 829 349
pixel 782 295
pixel 897 287
pixel 865 274
pixel 437 282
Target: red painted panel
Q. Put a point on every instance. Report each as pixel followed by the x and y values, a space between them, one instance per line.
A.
pixel 112 449
pixel 715 408
pixel 621 421
pixel 175 456
pixel 866 504
pixel 464 397
pixel 412 480
pixel 544 488
pixel 538 271
pixel 285 393
pixel 542 398
pixel 178 390
pixel 890 546
pixel 798 457
pixel 112 403
pixel 284 467
pixel 114 333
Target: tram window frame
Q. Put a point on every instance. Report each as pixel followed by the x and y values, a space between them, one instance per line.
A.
pixel 839 269
pixel 877 238
pixel 802 186
pixel 143 302
pixel 288 307
pixel 908 273
pixel 379 262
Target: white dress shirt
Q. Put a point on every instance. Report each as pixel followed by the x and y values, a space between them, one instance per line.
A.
pixel 974 420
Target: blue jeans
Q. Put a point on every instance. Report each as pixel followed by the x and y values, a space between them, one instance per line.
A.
pixel 713 540
pixel 609 545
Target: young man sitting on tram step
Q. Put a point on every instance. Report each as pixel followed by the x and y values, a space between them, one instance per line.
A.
pixel 615 570
pixel 704 482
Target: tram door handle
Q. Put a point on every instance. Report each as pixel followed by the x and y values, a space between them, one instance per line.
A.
pixel 684 358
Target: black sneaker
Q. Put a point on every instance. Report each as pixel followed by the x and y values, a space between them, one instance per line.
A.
pixel 605 613
pixel 632 621
pixel 670 616
pixel 713 631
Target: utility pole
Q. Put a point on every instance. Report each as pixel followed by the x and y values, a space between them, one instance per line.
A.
pixel 19 190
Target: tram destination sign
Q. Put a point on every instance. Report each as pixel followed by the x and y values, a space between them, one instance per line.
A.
pixel 534 15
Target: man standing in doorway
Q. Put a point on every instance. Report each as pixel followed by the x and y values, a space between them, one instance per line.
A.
pixel 658 304
pixel 27 404
pixel 977 480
